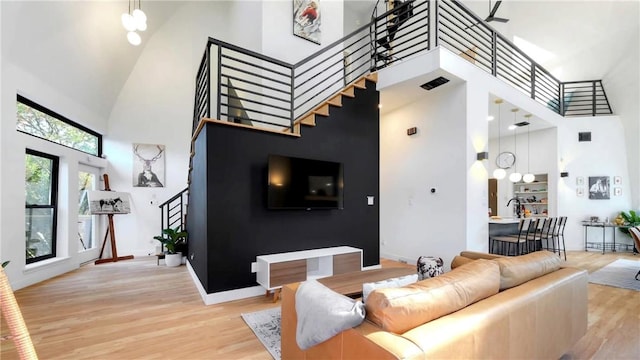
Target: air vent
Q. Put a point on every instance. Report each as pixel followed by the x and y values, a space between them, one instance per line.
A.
pixel 584 136
pixel 434 83
pixel 521 124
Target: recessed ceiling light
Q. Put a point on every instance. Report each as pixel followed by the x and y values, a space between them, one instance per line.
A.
pixel 490 117
pixel 512 127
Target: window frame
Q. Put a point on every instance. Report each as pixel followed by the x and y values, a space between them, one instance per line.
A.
pixel 62 118
pixel 55 170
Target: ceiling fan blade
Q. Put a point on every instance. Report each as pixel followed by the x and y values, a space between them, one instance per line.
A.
pixel 495 8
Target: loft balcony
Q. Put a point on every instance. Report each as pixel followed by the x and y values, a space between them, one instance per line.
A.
pixel 242 86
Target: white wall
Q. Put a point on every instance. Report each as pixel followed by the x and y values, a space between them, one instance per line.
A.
pixel 278 40
pixel 155 106
pixel 543 152
pixel 605 155
pixel 12 223
pixel 414 221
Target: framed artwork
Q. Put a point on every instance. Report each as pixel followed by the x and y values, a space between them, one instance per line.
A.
pixel 617 191
pixel 307 20
pixel 580 181
pixel 580 192
pixel 109 202
pixel 617 180
pixel 148 165
pixel 599 188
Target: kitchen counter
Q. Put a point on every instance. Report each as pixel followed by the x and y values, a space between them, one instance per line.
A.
pixel 504 221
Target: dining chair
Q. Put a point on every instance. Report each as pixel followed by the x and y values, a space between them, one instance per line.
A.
pixel 635 234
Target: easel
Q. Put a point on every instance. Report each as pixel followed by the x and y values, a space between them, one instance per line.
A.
pixel 111 232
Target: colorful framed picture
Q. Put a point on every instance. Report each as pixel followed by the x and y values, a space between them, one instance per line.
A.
pixel 580 181
pixel 617 180
pixel 307 20
pixel 599 188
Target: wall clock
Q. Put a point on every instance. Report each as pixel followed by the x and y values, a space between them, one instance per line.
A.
pixel 505 160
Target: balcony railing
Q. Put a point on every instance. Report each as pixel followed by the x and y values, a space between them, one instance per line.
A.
pixel 258 90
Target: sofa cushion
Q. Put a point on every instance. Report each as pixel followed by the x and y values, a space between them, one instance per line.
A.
pixel 517 270
pixel 323 313
pixel 400 309
pixel 460 260
pixel 367 288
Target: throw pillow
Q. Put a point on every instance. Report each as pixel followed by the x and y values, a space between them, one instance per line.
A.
pixel 428 267
pixel 367 288
pixel 323 313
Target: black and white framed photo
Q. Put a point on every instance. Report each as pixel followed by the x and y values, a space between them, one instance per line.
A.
pixel 580 181
pixel 580 192
pixel 599 188
pixel 617 191
pixel 148 165
pixel 307 20
pixel 108 202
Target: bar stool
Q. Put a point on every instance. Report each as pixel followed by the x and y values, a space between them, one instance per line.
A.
pixel 532 235
pixel 558 233
pixel 545 233
pixel 507 242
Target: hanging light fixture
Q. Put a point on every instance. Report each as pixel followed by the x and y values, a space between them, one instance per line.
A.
pixel 499 173
pixel 515 175
pixel 528 177
pixel 134 21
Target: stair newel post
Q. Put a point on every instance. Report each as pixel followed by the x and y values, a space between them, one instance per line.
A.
pixel 593 98
pixel 561 99
pixel 374 42
pixel 434 25
pixel 292 98
pixel 219 82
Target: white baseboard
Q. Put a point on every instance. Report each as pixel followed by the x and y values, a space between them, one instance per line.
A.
pixel 223 296
pixel 399 258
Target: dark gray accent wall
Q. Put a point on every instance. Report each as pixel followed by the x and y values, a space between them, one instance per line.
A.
pixel 229 223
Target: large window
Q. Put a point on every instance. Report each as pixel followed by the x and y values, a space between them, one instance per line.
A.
pixel 41 190
pixel 36 120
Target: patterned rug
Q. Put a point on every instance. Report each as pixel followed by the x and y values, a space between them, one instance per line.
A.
pixel 620 273
pixel 266 325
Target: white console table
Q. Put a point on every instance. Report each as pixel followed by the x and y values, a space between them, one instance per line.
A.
pixel 275 270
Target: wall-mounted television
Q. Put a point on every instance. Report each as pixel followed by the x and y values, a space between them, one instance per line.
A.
pixel 299 183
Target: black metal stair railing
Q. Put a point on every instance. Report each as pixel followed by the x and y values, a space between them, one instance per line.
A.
pixel 173 211
pixel 257 90
pixel 463 32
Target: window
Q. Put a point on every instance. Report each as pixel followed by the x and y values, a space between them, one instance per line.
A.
pixel 36 120
pixel 41 192
pixel 87 227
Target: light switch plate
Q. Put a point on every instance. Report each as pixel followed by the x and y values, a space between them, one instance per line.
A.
pixel 370 200
pixel 254 267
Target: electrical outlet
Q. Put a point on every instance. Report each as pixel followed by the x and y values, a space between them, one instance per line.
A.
pixel 254 267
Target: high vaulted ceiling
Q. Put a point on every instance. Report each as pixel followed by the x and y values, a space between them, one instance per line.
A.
pixel 80 49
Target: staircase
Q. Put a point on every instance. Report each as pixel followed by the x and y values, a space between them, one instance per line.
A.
pixel 241 88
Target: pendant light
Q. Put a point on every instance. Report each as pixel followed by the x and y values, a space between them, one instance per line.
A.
pixel 134 21
pixel 528 177
pixel 515 176
pixel 499 173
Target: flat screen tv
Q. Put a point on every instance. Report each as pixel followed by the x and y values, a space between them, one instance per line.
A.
pixel 298 183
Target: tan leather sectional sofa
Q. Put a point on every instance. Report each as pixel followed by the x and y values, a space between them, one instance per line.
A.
pixel 525 307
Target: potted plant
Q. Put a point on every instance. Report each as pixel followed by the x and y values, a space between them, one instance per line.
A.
pixel 631 219
pixel 171 239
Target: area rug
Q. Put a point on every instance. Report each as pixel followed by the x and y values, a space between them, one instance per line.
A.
pixel 620 273
pixel 266 325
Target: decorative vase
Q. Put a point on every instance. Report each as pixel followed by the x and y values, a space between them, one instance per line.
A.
pixel 173 260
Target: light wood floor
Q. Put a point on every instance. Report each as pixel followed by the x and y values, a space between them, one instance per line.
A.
pixel 134 309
